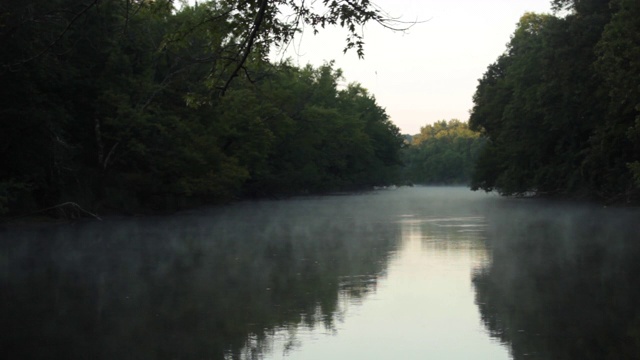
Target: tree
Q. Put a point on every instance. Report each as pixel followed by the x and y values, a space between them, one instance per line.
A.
pixel 253 27
pixel 263 23
pixel 117 104
pixel 510 107
pixel 443 153
pixel 324 139
pixel 615 145
pixel 547 106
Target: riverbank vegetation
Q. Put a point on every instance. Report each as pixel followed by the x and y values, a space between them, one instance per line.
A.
pixel 140 105
pixel 442 153
pixel 561 107
pixel 136 105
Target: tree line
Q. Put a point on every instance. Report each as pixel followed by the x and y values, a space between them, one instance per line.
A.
pixel 561 107
pixel 558 113
pixel 442 153
pixel 128 105
pixel 137 104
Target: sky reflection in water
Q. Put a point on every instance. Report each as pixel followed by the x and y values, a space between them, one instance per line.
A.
pixel 422 307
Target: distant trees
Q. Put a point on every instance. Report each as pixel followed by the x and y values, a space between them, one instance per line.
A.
pixel 117 105
pixel 443 153
pixel 560 107
pixel 324 138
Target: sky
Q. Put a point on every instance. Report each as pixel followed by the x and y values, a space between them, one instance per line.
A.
pixel 431 71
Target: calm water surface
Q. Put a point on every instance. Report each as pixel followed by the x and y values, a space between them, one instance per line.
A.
pixel 412 273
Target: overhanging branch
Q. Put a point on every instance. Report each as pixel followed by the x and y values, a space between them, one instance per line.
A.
pixel 250 41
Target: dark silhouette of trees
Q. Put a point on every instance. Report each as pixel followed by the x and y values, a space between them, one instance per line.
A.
pixel 117 105
pixel 559 108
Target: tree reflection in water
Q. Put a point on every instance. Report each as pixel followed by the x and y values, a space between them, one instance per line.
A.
pixel 208 285
pixel 564 281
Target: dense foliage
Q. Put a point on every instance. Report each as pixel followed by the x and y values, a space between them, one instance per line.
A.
pixel 443 153
pixel 561 106
pixel 128 105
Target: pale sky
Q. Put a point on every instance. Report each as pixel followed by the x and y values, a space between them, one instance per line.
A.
pixel 431 72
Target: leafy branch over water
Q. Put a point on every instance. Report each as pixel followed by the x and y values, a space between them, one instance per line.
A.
pixel 116 106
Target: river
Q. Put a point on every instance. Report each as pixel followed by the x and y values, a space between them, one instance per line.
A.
pixel 408 273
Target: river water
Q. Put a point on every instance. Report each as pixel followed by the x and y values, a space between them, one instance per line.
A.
pixel 409 273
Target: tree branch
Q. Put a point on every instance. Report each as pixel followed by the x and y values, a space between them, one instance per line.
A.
pixel 60 36
pixel 252 37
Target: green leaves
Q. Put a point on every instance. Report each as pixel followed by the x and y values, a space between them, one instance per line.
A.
pixel 443 153
pixel 325 139
pixel 123 110
pixel 559 105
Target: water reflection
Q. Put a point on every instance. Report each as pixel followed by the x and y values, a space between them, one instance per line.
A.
pixel 424 306
pixel 212 285
pixel 377 276
pixel 563 282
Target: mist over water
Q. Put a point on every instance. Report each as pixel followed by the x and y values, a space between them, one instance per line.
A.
pixel 411 273
pixel 563 281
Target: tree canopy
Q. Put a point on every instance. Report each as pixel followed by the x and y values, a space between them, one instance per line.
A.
pixel 116 105
pixel 246 29
pixel 560 106
pixel 442 153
